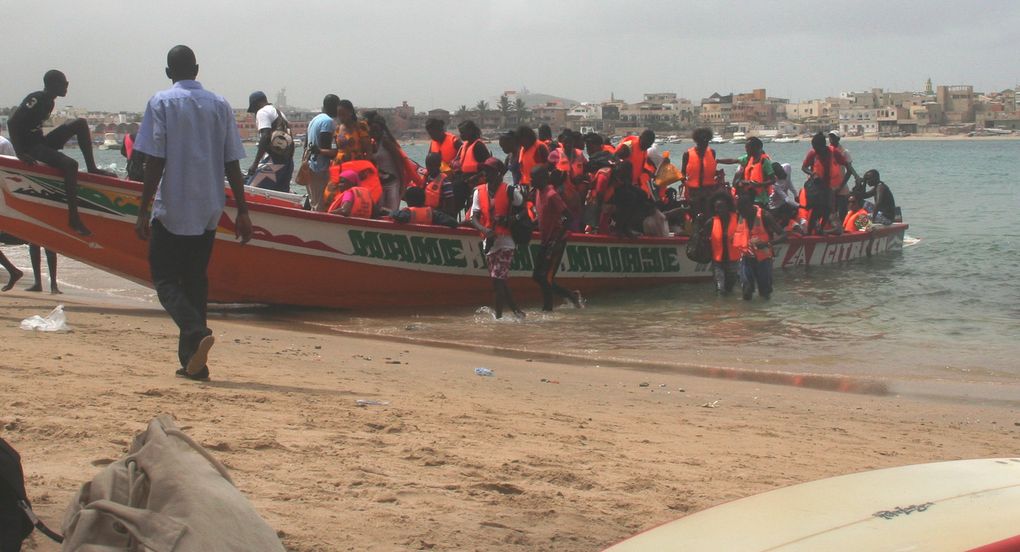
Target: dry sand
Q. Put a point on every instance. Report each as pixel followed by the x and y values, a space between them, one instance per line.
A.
pixel 454 461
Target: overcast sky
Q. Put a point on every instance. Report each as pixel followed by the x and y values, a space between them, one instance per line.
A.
pixel 444 53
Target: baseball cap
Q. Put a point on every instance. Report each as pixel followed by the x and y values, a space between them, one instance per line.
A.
pixel 834 133
pixel 254 98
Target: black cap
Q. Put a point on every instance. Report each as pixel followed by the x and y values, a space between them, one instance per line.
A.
pixel 254 98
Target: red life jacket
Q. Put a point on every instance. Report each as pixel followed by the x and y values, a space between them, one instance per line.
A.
pixel 362 205
pixel 717 239
pixel 468 163
pixel 834 173
pixel 498 209
pixel 700 171
pixel 445 149
pixel 421 215
pixel 742 237
pixel 129 145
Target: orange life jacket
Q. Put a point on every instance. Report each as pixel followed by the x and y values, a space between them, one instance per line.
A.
pixel 742 237
pixel 468 163
pixel 575 168
pixel 850 222
pixel 754 172
pixel 700 171
pixel 367 172
pixel 717 239
pixel 609 148
pixel 835 172
pixel 445 149
pixel 129 145
pixel 527 159
pixel 641 167
pixel 433 191
pixel 421 215
pixel 362 206
pixel 494 209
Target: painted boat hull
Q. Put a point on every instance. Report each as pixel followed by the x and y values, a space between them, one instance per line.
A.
pixel 314 259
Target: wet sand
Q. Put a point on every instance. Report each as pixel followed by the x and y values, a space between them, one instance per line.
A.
pixel 454 461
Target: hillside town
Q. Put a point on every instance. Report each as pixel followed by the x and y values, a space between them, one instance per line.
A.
pixel 943 110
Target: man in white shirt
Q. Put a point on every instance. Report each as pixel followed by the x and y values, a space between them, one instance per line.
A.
pixel 191 141
pixel 268 170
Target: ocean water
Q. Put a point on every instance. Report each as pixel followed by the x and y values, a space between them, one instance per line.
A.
pixel 946 310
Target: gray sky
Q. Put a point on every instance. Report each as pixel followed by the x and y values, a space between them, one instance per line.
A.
pixel 444 53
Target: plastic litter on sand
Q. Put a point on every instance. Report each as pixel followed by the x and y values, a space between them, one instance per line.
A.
pixel 484 372
pixel 55 321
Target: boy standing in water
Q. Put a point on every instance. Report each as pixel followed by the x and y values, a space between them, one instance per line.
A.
pixel 755 234
pixel 32 146
pixel 553 234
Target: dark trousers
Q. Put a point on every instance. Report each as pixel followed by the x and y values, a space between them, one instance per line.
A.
pixel 547 264
pixel 752 272
pixel 178 265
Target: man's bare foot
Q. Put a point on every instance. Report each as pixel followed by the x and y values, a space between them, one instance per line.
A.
pixel 54 290
pixel 34 287
pixel 15 276
pixel 576 299
pixel 102 172
pixel 78 226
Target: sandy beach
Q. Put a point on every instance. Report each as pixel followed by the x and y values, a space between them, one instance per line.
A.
pixel 542 456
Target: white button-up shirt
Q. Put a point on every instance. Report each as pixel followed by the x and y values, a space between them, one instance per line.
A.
pixel 195 132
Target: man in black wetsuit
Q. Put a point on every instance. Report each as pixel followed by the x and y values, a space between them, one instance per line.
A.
pixel 32 146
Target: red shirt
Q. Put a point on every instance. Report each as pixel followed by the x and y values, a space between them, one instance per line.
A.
pixel 550 207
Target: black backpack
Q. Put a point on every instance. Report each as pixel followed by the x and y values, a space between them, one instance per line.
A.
pixel 521 225
pixel 699 246
pixel 16 517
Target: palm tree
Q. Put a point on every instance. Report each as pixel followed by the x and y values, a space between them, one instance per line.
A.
pixel 482 106
pixel 504 107
pixel 462 111
pixel 521 109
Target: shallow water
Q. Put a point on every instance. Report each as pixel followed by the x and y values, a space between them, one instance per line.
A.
pixel 946 309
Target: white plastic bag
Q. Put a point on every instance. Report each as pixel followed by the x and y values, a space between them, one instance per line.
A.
pixel 55 321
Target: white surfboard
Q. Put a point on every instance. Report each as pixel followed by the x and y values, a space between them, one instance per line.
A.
pixel 966 505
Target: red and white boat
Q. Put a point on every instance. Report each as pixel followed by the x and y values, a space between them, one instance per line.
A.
pixel 298 257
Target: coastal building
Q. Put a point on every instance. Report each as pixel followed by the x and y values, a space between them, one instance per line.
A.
pixel 957 103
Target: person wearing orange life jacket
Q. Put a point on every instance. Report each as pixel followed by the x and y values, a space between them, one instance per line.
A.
pixel 467 163
pixel 532 152
pixel 825 163
pixel 442 142
pixel 857 218
pixel 635 149
pixel 553 232
pixel 754 237
pixel 352 139
pixel 755 173
pixel 569 162
pixel 545 136
pixel 491 206
pixel 417 212
pixel 699 168
pixel 353 200
pixel 722 226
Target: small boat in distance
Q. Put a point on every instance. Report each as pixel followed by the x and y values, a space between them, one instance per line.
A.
pixel 719 140
pixel 110 141
pixel 738 138
pixel 786 140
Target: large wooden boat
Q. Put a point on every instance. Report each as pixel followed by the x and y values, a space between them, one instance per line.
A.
pixel 303 258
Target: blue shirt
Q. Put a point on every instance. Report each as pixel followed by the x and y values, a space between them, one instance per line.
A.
pixel 195 132
pixel 319 124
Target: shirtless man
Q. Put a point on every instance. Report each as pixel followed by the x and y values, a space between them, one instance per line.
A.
pixel 32 146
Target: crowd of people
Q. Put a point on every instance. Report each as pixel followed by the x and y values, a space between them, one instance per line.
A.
pixel 577 183
pixel 351 165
